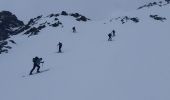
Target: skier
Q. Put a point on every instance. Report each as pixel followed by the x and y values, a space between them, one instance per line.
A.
pixel 110 37
pixel 60 46
pixel 74 29
pixel 36 63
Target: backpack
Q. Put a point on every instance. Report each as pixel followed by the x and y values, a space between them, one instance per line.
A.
pixel 60 44
pixel 113 31
pixel 109 34
pixel 35 59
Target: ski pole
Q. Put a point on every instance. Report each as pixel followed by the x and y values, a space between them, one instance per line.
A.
pixel 42 64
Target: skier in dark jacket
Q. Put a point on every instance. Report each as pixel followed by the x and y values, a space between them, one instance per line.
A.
pixel 74 29
pixel 60 46
pixel 36 63
pixel 110 37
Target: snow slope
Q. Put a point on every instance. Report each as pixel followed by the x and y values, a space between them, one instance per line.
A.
pixel 135 66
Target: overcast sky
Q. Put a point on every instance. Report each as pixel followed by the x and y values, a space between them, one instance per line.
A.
pixel 95 9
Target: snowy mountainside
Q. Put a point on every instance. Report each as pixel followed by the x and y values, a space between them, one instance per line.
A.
pixel 36 25
pixel 155 10
pixel 134 66
pixel 9 24
pixel 158 3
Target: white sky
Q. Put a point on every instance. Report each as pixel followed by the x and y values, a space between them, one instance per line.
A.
pixel 95 9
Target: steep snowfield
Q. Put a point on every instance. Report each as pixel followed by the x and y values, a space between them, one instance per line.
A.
pixel 134 66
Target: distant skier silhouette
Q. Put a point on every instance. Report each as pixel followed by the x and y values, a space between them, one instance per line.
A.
pixel 59 47
pixel 74 29
pixel 110 37
pixel 36 63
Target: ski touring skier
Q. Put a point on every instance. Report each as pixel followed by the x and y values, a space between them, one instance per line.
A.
pixel 74 29
pixel 110 37
pixel 36 64
pixel 59 47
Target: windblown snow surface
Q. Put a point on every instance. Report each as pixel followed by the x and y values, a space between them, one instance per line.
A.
pixel 134 66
